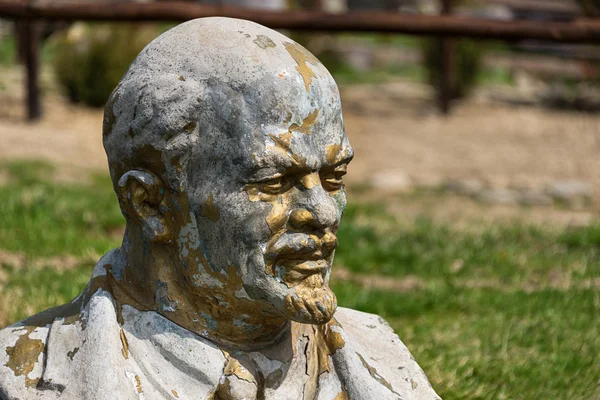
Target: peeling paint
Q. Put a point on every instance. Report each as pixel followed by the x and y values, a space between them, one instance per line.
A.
pixel 263 41
pixel 125 349
pixel 302 57
pixel 307 123
pixel 138 384
pixel 23 356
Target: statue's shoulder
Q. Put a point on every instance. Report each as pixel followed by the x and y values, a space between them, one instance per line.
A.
pixel 381 352
pixel 42 354
pixel 22 355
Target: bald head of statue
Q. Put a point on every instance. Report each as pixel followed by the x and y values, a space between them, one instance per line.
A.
pixel 226 147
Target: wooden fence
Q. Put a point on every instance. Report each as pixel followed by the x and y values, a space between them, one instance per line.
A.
pixel 444 26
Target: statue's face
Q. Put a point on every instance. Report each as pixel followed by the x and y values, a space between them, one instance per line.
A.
pixel 267 195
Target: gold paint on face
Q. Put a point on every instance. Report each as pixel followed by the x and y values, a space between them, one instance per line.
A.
pixel 125 349
pixel 310 181
pixel 23 356
pixel 209 210
pixel 333 150
pixel 302 58
pixel 311 299
pixel 277 216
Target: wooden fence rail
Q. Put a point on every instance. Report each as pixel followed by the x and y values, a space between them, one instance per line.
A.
pixel 583 30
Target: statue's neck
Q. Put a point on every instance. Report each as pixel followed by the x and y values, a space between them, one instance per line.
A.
pixel 153 279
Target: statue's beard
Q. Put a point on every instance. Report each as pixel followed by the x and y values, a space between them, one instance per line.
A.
pixel 304 299
pixel 311 301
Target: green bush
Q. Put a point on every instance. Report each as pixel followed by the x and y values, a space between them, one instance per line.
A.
pixel 467 57
pixel 92 58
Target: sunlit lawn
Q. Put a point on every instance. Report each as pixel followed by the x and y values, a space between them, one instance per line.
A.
pixel 498 313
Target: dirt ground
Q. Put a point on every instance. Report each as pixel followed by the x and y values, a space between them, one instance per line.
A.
pixel 399 139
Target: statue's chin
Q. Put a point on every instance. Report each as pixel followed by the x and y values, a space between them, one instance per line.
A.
pixel 310 304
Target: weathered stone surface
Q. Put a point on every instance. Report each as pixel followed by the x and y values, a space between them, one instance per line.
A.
pixel 227 149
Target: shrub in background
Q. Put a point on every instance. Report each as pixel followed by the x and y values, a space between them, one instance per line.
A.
pixel 91 58
pixel 468 56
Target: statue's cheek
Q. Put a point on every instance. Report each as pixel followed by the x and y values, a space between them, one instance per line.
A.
pixel 339 198
pixel 277 206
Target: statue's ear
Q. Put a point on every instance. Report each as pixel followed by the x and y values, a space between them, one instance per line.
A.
pixel 140 194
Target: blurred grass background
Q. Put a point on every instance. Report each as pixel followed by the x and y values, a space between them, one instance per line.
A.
pixel 491 312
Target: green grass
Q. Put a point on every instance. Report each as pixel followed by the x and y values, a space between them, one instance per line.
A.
pixel 520 335
pixel 505 255
pixel 8 50
pixel 43 219
pixel 490 344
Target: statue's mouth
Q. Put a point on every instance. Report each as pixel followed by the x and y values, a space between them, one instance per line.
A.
pixel 296 256
pixel 294 271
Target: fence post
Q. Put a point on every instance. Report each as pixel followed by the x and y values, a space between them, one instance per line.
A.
pixel 446 45
pixel 31 45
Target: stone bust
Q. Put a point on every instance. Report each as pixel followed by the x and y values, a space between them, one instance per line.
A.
pixel 226 148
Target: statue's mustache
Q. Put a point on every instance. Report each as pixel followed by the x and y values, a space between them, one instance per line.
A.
pixel 302 246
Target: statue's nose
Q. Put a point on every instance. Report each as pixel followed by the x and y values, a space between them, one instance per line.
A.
pixel 302 219
pixel 315 211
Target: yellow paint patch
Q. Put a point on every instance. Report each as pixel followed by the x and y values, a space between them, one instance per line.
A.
pixel 284 139
pixel 307 123
pixel 302 58
pixel 342 396
pixel 209 210
pixel 175 393
pixel 234 367
pixel 138 384
pixel 125 349
pixel 277 216
pixel 310 181
pixel 23 356
pixel 333 150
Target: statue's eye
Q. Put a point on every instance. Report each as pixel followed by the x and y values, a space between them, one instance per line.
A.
pixel 332 180
pixel 273 186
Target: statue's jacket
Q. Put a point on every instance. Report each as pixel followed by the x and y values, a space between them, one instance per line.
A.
pixel 105 351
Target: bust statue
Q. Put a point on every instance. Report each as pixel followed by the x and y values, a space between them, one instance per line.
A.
pixel 226 148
